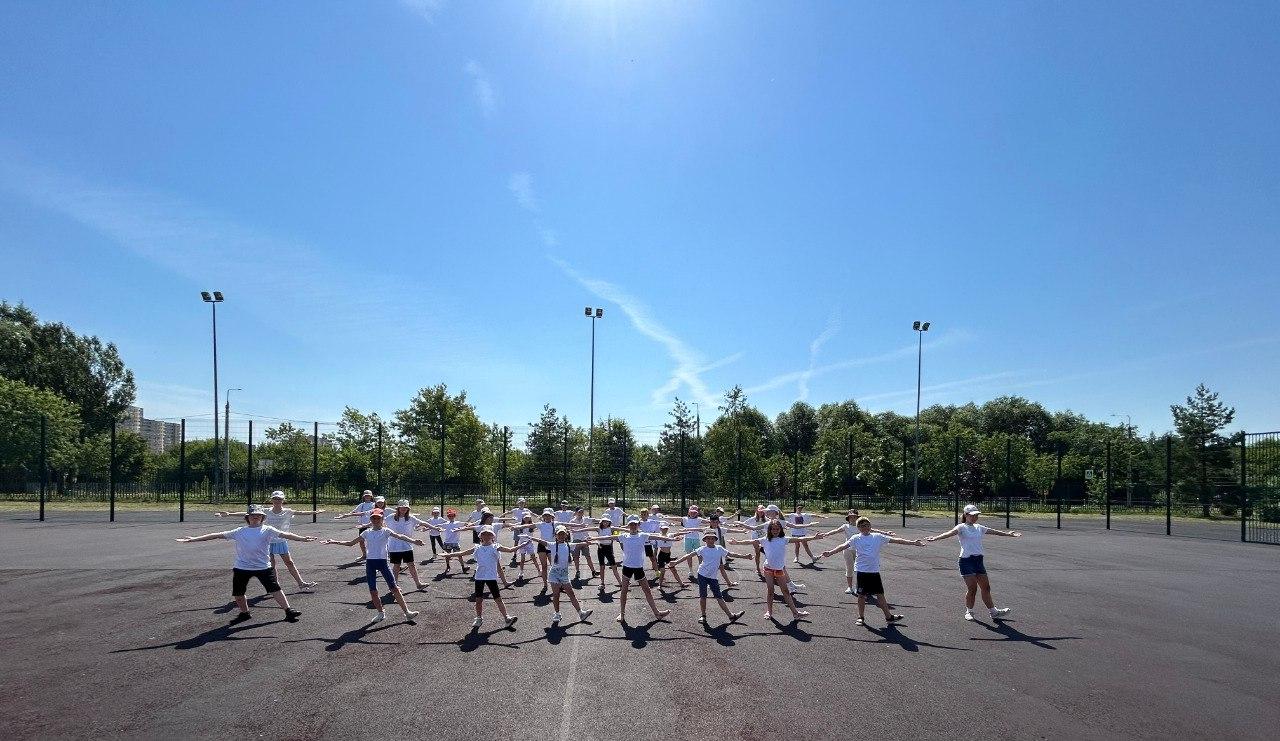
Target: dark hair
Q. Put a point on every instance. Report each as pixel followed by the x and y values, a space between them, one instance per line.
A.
pixel 407 514
pixel 768 530
pixel 486 518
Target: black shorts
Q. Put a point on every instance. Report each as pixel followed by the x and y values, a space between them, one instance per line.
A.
pixel 869 583
pixel 475 537
pixel 604 554
pixel 542 548
pixel 648 550
pixel 632 572
pixel 240 579
pixel 664 557
pixel 492 584
pixel 400 556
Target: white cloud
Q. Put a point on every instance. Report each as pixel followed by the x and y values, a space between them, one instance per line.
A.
pixel 425 9
pixel 486 97
pixel 521 186
pixel 833 326
pixel 689 363
pixel 549 237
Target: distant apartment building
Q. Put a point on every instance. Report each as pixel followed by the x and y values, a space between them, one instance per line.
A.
pixel 160 436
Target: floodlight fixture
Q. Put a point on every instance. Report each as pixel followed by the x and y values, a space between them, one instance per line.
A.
pixel 599 313
pixel 924 327
pixel 915 326
pixel 587 311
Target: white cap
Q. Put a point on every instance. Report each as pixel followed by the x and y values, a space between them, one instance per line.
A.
pixel 772 508
pixel 972 509
pixel 402 503
pixel 561 529
pixel 633 520
pixel 277 495
pixel 710 534
pixel 487 529
pixel 613 501
pixel 435 509
pixel 548 511
pixel 379 498
pixel 253 509
pixel 606 519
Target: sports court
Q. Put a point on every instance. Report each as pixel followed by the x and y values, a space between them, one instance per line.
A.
pixel 1112 634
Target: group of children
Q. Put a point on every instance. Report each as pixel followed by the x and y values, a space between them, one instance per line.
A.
pixel 556 539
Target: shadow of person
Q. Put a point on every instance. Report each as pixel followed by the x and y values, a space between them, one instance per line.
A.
pixel 355 635
pixel 1008 632
pixel 891 634
pixel 213 635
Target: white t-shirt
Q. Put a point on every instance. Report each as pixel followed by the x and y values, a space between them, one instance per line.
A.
pixel 633 549
pixel 651 525
pixel 486 562
pixel 474 515
pixel 577 535
pixel 279 521
pixel 450 533
pixel 561 554
pixel 800 529
pixel 775 552
pixel 691 523
pixel 970 538
pixel 438 521
pixel 547 530
pixel 605 532
pixel 405 528
pixel 253 546
pixel 615 515
pixel 375 542
pixel 867 547
pixel 712 558
pixel 364 508
pixel 563 515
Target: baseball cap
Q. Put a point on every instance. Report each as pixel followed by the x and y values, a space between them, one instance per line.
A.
pixel 435 509
pixel 277 495
pixel 487 529
pixel 548 511
pixel 605 519
pixel 379 498
pixel 562 529
pixel 772 508
pixel 972 509
pixel 613 501
pixel 633 520
pixel 375 513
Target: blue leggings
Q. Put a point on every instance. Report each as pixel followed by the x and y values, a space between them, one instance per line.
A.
pixel 375 566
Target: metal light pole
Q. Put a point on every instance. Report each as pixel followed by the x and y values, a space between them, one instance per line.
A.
pixel 1128 459
pixel 213 299
pixel 920 328
pixel 593 315
pixel 226 446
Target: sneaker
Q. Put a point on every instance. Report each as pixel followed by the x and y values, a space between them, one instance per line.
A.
pixel 850 591
pixel 702 619
pixel 410 615
pixel 240 618
pixel 768 615
pixel 292 614
pixel 796 560
pixel 663 613
pixel 379 617
pixel 999 612
pixel 968 615
pixel 893 618
pixel 733 617
pixel 307 586
pixel 584 614
pixel 512 621
pixel 859 621
pixel 478 622
pixel 555 618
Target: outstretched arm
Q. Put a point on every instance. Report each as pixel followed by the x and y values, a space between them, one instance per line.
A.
pixel 834 551
pixel 1005 533
pixel 331 541
pixel 945 535
pixel 904 541
pixel 299 538
pixel 751 541
pixel 202 538
pixel 406 538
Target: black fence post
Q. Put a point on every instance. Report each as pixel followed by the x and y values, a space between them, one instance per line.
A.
pixel 44 462
pixel 564 493
pixel 737 466
pixel 315 469
pixel 1057 484
pixel 506 442
pixel 182 474
pixel 626 468
pixel 849 468
pixel 378 476
pixel 1107 493
pixel 795 478
pixel 1168 484
pixel 248 472
pixel 955 487
pixel 1008 480
pixel 1244 483
pixel 903 493
pixel 443 427
pixel 683 500
pixel 111 474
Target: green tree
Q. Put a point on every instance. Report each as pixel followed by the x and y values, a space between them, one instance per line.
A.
pixel 469 444
pixel 1200 423
pixel 736 447
pixel 79 368
pixel 21 407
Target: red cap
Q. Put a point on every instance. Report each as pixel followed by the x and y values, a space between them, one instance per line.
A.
pixel 375 513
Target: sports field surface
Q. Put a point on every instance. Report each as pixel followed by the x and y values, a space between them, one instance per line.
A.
pixel 115 630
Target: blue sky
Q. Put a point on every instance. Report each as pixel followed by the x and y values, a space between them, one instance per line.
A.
pixel 1082 198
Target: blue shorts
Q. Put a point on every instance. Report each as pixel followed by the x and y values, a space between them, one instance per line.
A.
pixel 704 584
pixel 375 566
pixel 972 566
pixel 280 548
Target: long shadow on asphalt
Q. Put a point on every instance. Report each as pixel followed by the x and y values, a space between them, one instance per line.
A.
pixel 639 636
pixel 1009 633
pixel 220 609
pixel 355 635
pixel 475 639
pixel 214 635
pixel 891 635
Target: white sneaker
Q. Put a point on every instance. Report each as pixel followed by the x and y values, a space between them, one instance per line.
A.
pixel 410 614
pixel 555 618
pixel 307 586
pixel 511 621
pixel 478 622
pixel 584 614
pixel 850 591
pixel 379 617
pixel 968 615
pixel 999 611
pixel 796 560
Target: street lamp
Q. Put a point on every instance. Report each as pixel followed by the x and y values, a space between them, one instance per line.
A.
pixel 226 447
pixel 920 328
pixel 1128 459
pixel 593 315
pixel 213 299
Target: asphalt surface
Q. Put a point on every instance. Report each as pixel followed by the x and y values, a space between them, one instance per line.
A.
pixel 115 630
